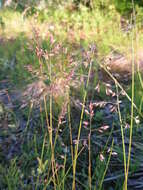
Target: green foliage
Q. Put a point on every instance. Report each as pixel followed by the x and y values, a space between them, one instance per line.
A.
pixel 74 31
pixel 138 100
pixel 2 24
pixel 125 7
pixel 10 177
pixel 13 58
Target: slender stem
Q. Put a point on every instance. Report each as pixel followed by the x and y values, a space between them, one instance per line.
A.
pixel 42 154
pixel 132 102
pixel 89 156
pixel 70 128
pixel 79 130
pixel 29 115
pixel 51 132
pixel 119 85
pixel 123 141
pixel 109 158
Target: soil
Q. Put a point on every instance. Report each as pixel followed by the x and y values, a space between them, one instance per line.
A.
pixel 121 65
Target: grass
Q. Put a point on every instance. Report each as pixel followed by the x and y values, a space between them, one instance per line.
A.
pixel 78 134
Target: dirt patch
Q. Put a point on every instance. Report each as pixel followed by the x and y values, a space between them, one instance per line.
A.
pixel 120 65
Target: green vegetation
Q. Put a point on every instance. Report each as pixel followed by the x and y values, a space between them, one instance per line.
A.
pixel 71 95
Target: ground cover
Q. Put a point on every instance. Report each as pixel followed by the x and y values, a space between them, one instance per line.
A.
pixel 67 118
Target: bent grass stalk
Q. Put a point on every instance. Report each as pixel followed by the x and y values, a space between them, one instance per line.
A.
pixel 123 138
pixel 79 130
pixel 133 105
pixel 132 102
pixel 120 86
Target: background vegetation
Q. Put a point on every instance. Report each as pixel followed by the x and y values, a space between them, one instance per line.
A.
pixel 71 94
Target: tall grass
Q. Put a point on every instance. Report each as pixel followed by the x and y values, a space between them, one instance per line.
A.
pixel 123 138
pixel 132 100
pixel 50 173
pixel 80 127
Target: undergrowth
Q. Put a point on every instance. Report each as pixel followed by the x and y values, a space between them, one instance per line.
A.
pixel 81 128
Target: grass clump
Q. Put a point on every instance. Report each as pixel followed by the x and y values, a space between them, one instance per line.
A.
pixel 77 127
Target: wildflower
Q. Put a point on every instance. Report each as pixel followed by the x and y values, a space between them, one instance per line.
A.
pixel 75 141
pixel 97 88
pixel 52 41
pixel 91 109
pixel 127 126
pixel 137 120
pixel 85 123
pixel 114 153
pixel 63 113
pixel 101 157
pixel 100 104
pixel 109 92
pixel 51 27
pixel 105 127
pixel 84 142
pixel 87 112
pixel 39 52
pixel 113 94
pixel 108 85
pixel 100 131
pixel 62 156
pixel 51 54
pixel 113 109
pixel 109 149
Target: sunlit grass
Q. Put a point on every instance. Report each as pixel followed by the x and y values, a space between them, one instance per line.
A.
pixel 74 26
pixel 55 153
